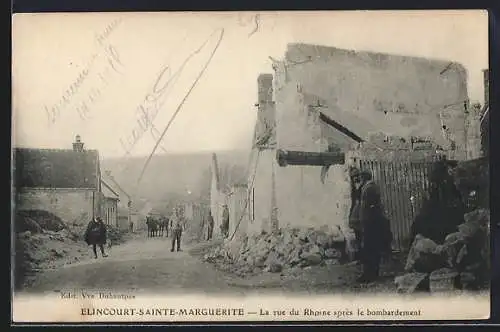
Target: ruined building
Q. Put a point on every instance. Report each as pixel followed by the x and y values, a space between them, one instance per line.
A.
pixel 324 99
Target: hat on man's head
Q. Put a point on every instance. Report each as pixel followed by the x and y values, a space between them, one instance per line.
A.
pixel 354 171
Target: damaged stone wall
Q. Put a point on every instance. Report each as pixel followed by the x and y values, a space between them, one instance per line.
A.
pixel 295 195
pixel 238 216
pixel 398 95
pixel 68 204
pixel 260 193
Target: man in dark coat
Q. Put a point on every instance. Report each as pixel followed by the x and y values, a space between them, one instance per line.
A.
pixel 376 233
pixel 443 210
pixel 354 213
pixel 210 226
pixel 95 235
pixel 177 231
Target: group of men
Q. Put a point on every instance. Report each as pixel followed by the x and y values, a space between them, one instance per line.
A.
pixel 224 227
pixel 371 227
pixel 176 224
pixel 96 233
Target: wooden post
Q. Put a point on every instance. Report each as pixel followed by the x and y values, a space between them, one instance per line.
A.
pixel 285 158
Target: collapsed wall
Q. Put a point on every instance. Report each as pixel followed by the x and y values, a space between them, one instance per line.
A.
pixel 368 92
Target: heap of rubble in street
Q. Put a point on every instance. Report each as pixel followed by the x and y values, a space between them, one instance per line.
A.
pixel 460 263
pixel 284 249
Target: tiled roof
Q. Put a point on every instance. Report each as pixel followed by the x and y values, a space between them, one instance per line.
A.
pixel 56 168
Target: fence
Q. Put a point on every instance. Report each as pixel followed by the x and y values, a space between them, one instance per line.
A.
pixel 403 185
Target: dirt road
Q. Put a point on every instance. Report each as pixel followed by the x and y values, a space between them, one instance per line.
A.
pixel 140 264
pixel 147 265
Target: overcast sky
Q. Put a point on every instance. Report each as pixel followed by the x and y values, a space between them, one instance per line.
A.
pixel 50 51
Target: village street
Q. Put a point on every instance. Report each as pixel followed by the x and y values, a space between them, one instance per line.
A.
pixel 140 264
pixel 147 265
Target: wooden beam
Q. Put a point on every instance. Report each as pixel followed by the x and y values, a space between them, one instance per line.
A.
pixel 305 158
pixel 340 127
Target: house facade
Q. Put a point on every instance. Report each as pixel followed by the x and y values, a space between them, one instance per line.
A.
pixel 110 205
pixel 326 99
pixel 64 182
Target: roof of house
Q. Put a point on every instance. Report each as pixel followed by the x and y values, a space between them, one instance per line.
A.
pixel 56 168
pixel 108 190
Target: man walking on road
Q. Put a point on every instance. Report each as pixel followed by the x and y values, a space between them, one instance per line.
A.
pixel 177 231
pixel 95 235
pixel 376 233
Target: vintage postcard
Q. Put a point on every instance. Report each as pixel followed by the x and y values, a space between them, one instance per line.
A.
pixel 250 166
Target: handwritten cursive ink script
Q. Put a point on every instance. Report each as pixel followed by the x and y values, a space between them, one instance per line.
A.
pixel 157 97
pixel 111 66
pixel 54 111
pixel 103 36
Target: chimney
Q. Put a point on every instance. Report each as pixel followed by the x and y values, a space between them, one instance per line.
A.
pixel 78 144
pixel 486 80
pixel 266 122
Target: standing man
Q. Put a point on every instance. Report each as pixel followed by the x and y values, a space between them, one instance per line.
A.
pixel 375 230
pixel 95 235
pixel 225 221
pixel 177 231
pixel 210 226
pixel 354 214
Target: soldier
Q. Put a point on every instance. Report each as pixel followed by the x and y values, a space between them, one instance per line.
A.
pixel 95 235
pixel 177 231
pixel 376 235
pixel 210 226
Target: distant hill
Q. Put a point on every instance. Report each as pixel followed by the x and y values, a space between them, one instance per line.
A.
pixel 171 176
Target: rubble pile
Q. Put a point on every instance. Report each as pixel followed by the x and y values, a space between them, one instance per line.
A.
pixel 44 241
pixel 274 252
pixel 461 262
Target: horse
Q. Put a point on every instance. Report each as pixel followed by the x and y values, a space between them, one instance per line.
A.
pixel 152 226
pixel 163 226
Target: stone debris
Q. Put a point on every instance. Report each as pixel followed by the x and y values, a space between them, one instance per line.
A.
pixel 285 249
pixel 424 256
pixel 39 248
pixel 462 261
pixel 411 282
